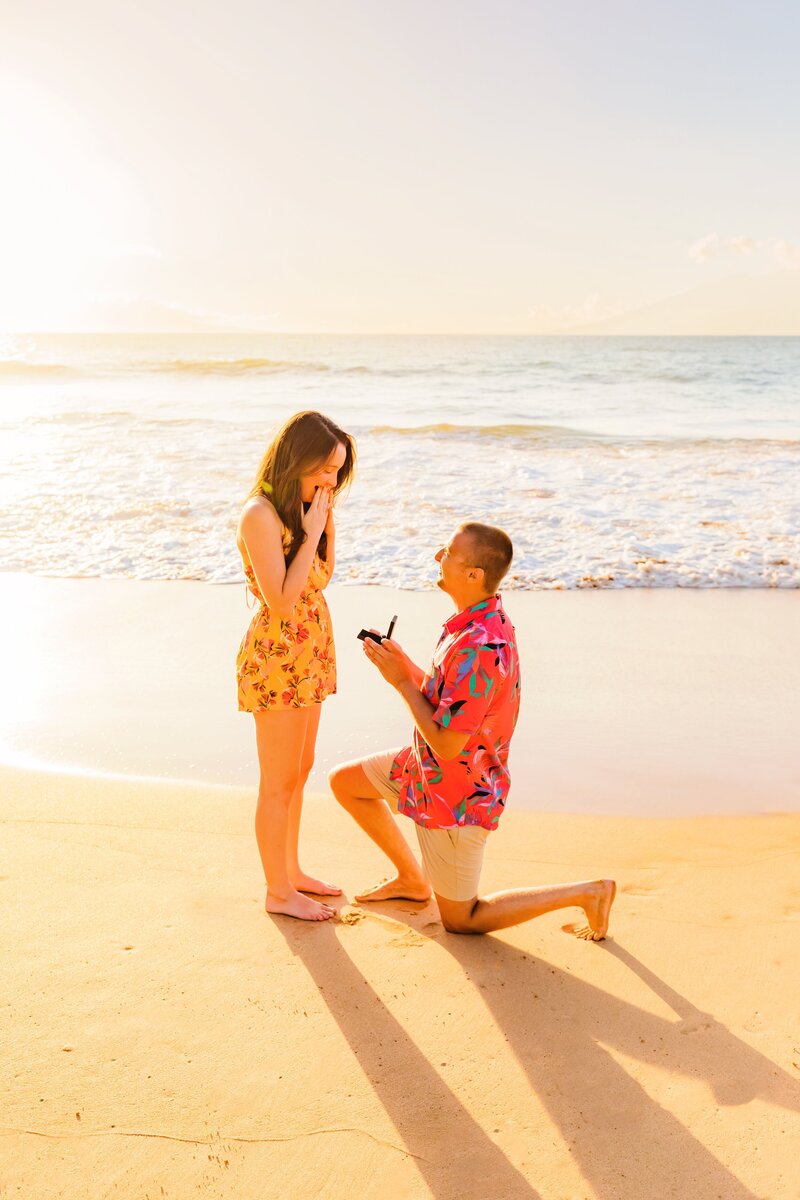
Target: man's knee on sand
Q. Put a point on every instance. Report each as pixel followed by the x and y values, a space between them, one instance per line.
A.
pixel 340 782
pixel 457 915
pixel 348 782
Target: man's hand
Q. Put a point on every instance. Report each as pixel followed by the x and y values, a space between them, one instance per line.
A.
pixel 397 669
pixel 392 661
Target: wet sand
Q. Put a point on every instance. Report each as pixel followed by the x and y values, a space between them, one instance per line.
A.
pixel 660 703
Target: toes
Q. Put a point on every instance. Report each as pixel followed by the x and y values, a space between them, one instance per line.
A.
pixel 318 887
pixel 322 888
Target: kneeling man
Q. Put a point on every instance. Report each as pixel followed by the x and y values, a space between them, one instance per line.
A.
pixel 453 780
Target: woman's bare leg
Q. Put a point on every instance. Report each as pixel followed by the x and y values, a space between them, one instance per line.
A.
pixel 280 736
pixel 297 876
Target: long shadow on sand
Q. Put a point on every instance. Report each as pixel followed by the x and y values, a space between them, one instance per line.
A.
pixel 453 1153
pixel 558 1027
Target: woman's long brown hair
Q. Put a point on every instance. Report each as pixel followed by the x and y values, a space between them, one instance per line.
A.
pixel 301 447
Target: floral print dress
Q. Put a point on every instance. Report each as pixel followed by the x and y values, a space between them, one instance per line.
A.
pixel 288 662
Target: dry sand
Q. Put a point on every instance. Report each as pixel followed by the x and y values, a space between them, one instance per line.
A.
pixel 162 1037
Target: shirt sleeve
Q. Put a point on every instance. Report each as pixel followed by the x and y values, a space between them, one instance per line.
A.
pixel 470 684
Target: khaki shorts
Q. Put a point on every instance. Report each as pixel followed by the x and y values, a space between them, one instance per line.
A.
pixel 452 858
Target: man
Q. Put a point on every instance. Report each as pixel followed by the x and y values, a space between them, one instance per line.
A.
pixel 453 780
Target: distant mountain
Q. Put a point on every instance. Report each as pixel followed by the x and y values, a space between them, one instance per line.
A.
pixel 740 304
pixel 139 315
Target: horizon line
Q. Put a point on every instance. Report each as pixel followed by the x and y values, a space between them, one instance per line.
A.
pixel 228 332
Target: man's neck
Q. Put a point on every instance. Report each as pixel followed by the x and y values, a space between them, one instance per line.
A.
pixel 464 602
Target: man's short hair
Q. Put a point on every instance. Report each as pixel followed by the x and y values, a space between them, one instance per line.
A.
pixel 492 551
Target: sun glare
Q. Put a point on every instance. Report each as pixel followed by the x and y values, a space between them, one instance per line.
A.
pixel 61 211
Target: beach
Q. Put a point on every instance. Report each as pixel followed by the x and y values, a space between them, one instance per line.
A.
pixel 164 1037
pixel 434 282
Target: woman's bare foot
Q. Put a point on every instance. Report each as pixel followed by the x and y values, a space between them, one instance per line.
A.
pixel 307 883
pixel 295 904
pixel 600 897
pixel 397 889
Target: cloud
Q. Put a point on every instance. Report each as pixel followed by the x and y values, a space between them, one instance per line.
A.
pixel 705 249
pixel 765 252
pixel 787 255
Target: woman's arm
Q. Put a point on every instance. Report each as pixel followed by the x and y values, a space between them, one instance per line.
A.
pixel 261 531
pixel 330 548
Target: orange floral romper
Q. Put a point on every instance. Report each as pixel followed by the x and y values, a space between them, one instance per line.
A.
pixel 288 662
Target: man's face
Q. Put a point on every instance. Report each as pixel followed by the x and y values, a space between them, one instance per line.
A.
pixel 454 562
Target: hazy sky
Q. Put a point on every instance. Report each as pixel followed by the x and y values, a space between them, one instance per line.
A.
pixel 444 165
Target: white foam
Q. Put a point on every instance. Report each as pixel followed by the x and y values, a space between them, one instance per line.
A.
pixel 634 464
pixel 589 514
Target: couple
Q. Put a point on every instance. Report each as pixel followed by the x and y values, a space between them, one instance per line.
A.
pixel 453 780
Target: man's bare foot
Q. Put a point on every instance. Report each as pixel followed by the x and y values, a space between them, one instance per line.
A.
pixel 397 889
pixel 295 904
pixel 307 883
pixel 597 908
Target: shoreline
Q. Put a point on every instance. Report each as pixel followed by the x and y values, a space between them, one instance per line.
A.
pixel 639 702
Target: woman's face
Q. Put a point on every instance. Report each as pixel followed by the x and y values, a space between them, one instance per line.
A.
pixel 325 475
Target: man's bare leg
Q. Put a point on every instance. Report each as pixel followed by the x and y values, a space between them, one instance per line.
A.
pixel 355 793
pixel 503 909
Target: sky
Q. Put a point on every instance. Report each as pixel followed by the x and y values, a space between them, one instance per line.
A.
pixel 445 166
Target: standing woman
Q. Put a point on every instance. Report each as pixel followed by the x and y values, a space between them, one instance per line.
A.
pixel 286 664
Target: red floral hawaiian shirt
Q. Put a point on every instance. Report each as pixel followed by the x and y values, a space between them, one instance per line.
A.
pixel 474 686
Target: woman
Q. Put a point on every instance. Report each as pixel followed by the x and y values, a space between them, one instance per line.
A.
pixel 286 664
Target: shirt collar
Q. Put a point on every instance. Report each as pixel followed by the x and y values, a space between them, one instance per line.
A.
pixel 475 612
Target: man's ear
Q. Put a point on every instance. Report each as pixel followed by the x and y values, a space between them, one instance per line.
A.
pixel 476 573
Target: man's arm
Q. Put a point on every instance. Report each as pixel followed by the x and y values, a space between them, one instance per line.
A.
pixel 406 678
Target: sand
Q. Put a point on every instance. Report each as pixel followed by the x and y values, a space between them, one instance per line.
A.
pixel 661 702
pixel 161 1036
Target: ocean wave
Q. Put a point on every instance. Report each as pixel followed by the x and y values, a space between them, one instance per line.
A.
pixel 500 431
pixel 247 366
pixel 565 435
pixel 19 366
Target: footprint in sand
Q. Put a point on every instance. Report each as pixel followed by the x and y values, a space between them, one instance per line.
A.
pixel 350 916
pixel 642 889
pixel 694 1025
pixel 409 938
pixel 406 937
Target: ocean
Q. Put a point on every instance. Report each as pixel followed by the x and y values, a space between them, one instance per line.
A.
pixel 611 462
